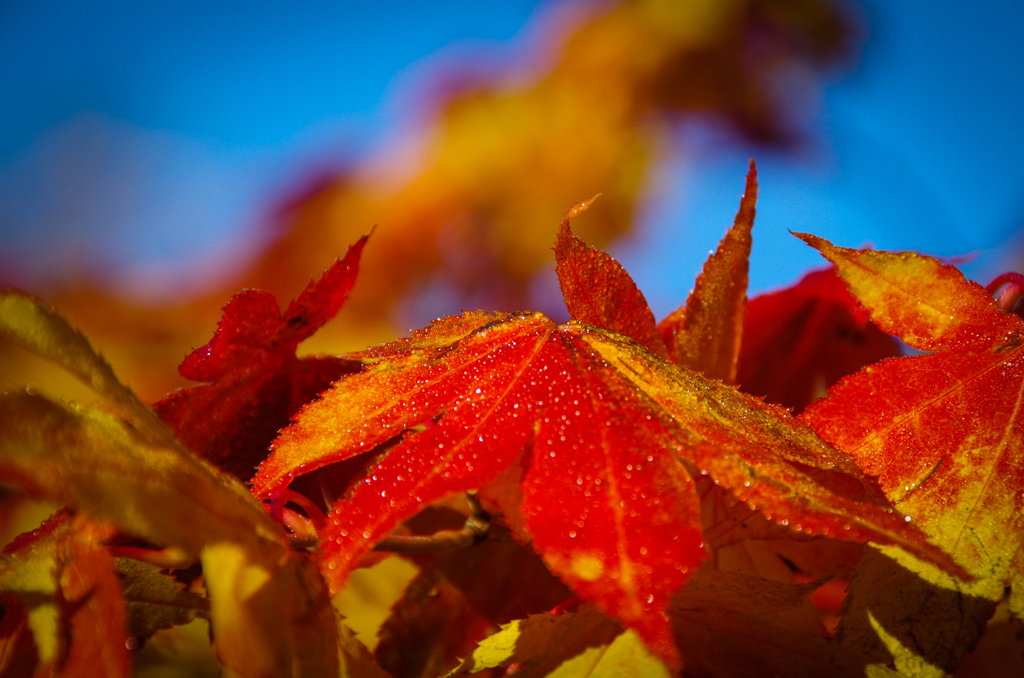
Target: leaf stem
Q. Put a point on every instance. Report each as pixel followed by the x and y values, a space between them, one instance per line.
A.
pixel 475 530
pixel 1014 288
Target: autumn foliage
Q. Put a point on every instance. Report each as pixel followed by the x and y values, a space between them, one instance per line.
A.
pixel 608 496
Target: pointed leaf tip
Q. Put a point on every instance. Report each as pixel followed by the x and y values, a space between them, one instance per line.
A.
pixel 255 382
pixel 577 209
pixel 253 330
pixel 598 291
pixel 705 334
pixel 929 305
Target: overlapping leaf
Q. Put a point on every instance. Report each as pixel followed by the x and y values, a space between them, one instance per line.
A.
pixel 270 615
pixel 457 599
pixel 64 579
pixel 256 383
pixel 799 342
pixel 613 434
pixel 942 432
pixel 583 643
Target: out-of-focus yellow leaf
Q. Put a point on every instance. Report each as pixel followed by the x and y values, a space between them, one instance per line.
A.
pixel 96 463
pixel 271 615
pixel 269 619
pixel 39 328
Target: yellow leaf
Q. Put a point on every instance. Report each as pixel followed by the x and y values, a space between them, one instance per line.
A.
pixel 543 642
pixel 42 330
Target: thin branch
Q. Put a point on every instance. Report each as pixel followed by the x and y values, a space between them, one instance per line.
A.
pixel 478 524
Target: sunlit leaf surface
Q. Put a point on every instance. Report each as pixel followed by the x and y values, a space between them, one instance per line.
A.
pixel 942 432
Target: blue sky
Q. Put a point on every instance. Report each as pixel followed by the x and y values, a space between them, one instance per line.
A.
pixel 203 113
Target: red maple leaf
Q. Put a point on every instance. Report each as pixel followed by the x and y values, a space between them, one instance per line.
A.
pixel 607 435
pixel 942 432
pixel 255 381
pixel 800 341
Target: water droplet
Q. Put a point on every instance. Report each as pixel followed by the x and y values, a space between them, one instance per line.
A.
pixel 572 534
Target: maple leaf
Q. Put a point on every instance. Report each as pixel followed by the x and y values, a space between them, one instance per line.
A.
pixel 256 383
pixel 613 433
pixel 270 614
pixel 800 341
pixel 942 432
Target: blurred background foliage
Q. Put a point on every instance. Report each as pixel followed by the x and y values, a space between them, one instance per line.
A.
pixel 155 161
pixel 466 200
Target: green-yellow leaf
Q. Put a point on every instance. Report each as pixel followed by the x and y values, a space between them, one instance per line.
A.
pixel 624 657
pixel 571 643
pixel 271 615
pixel 155 600
pixel 94 462
pixel 102 466
pixel 40 329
